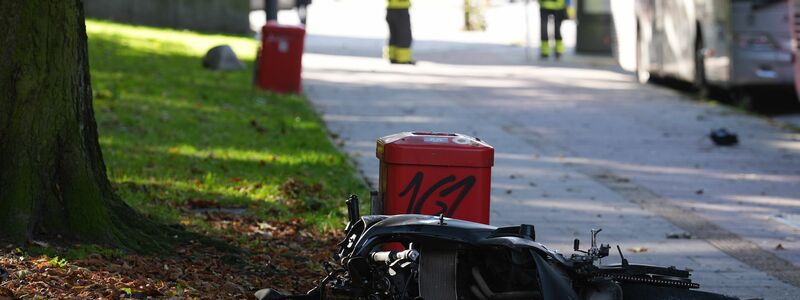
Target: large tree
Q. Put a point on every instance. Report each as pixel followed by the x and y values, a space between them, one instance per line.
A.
pixel 53 183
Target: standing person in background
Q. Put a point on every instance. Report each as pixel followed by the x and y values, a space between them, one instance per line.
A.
pixel 557 9
pixel 399 49
pixel 302 10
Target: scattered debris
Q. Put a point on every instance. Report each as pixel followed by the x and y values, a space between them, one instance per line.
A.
pixel 222 58
pixel 780 247
pixel 722 137
pixel 284 253
pixel 637 249
pixel 679 235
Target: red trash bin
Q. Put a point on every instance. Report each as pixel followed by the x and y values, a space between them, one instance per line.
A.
pixel 435 173
pixel 280 58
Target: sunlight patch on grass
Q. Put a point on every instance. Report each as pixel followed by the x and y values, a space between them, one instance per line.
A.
pixel 169 41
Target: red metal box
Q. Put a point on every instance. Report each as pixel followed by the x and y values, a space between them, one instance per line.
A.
pixel 280 58
pixel 435 173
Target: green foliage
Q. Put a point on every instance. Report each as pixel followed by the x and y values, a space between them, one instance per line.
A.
pixel 55 262
pixel 174 134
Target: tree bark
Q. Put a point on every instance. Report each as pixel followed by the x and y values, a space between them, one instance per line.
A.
pixel 53 183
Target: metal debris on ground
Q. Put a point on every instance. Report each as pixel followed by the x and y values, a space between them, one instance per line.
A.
pixel 679 235
pixel 723 137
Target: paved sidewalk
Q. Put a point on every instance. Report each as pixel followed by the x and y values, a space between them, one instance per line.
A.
pixel 576 147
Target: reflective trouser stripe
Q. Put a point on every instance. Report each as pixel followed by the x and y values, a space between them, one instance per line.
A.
pixel 545 48
pixel 402 54
pixel 559 46
pixel 553 4
pixel 553 7
pixel 390 52
pixel 398 4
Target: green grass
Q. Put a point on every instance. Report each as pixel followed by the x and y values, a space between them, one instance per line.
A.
pixel 173 132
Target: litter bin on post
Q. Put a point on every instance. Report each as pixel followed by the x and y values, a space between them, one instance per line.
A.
pixel 280 58
pixel 435 173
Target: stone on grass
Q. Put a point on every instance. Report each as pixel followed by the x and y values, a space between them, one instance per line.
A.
pixel 222 58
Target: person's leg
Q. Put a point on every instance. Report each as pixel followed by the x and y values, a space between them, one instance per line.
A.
pixel 302 12
pixel 391 50
pixel 544 48
pixel 404 38
pixel 559 17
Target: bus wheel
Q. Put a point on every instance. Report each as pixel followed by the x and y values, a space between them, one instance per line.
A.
pixel 700 84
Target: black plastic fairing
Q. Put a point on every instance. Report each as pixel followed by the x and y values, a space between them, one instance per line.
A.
pixel 421 228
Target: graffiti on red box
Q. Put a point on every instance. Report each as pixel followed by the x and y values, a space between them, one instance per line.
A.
pixel 443 197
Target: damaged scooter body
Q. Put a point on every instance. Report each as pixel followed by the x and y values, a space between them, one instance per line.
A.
pixel 449 259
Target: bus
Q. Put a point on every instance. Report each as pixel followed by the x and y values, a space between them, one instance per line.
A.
pixel 794 11
pixel 729 44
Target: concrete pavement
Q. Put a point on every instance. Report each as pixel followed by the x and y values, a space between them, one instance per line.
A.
pixel 579 144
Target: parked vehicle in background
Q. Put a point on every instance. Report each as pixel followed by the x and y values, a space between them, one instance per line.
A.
pixel 794 12
pixel 735 45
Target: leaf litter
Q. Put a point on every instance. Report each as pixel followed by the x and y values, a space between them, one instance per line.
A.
pixel 278 254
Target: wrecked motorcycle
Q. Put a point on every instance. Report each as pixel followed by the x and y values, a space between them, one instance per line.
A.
pixel 448 259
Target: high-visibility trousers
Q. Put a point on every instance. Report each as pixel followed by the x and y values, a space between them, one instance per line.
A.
pixel 558 17
pixel 399 49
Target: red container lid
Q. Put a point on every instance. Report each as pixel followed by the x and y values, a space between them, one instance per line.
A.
pixel 275 28
pixel 435 148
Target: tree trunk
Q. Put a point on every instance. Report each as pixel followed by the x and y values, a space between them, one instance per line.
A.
pixel 53 183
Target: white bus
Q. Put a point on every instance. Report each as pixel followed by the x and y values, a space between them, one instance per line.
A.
pixel 729 44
